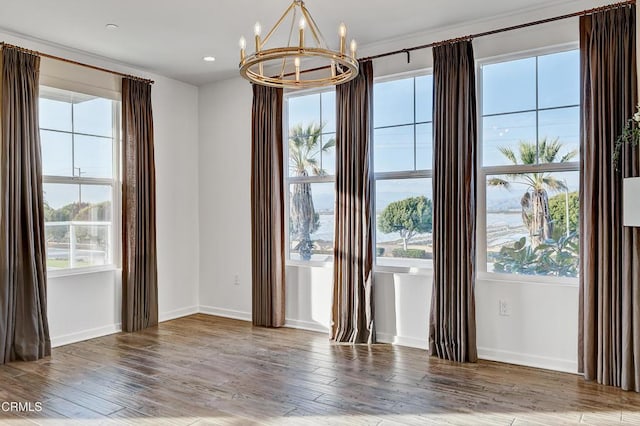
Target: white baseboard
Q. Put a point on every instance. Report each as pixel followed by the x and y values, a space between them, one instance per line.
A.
pixel 410 342
pixel 306 325
pixel 80 336
pixel 85 335
pixel 178 313
pixel 226 313
pixel 536 361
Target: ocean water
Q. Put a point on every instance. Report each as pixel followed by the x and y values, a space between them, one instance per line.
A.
pixel 501 227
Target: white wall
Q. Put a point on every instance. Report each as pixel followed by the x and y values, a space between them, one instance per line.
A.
pixel 88 305
pixel 541 329
pixel 225 191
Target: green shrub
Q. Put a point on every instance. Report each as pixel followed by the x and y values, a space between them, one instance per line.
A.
pixel 379 251
pixel 553 258
pixel 558 211
pixel 410 253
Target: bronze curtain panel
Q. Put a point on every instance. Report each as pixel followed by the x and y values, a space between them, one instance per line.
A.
pixel 139 254
pixel 352 316
pixel 452 327
pixel 609 333
pixel 267 208
pixel 24 330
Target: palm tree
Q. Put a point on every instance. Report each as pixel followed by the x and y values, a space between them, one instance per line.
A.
pixel 535 201
pixel 305 146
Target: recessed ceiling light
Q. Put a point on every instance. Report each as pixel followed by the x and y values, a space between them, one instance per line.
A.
pixel 209 59
pixel 111 26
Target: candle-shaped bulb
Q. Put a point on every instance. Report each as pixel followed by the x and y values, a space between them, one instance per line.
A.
pixel 301 25
pixel 296 62
pixel 353 47
pixel 342 30
pixel 257 29
pixel 243 44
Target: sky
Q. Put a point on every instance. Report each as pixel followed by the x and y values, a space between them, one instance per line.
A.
pixel 76 133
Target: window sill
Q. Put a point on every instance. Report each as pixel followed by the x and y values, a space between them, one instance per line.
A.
pixel 310 264
pixel 527 279
pixel 409 270
pixel 58 273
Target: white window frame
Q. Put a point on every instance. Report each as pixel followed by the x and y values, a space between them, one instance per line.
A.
pixel 289 180
pixel 114 182
pixel 483 172
pixel 426 266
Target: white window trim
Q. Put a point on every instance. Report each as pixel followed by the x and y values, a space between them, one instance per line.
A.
pixel 116 189
pixel 483 172
pixel 288 180
pixel 411 267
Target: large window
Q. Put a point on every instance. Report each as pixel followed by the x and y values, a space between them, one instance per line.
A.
pixel 402 162
pixel 79 136
pixel 530 166
pixel 310 124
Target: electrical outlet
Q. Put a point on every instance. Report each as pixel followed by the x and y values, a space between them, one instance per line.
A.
pixel 236 280
pixel 504 309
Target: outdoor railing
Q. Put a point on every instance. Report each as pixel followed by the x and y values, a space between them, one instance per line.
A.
pixel 73 244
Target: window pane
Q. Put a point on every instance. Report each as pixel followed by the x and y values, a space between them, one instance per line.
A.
pixel 560 127
pixel 393 149
pixel 78 225
pixel 305 144
pixel 509 86
pixel 56 153
pixel 309 154
pixel 304 110
pixel 424 98
pixel 311 220
pixel 393 103
pixel 93 156
pixel 329 112
pixel 64 202
pixel 93 244
pixel 521 237
pixel 329 154
pixel 506 132
pixel 404 218
pixel 424 146
pixel 559 79
pixel 55 114
pixel 93 117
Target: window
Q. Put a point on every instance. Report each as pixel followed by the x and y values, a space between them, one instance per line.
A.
pixel 79 135
pixel 310 135
pixel 529 177
pixel 402 163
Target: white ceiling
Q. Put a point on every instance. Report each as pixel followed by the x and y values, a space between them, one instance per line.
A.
pixel 170 37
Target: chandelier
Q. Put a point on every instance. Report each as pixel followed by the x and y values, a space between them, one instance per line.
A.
pixel 298 65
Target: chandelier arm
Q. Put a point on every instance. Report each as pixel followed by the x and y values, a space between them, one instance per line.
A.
pixel 275 27
pixel 247 70
pixel 314 28
pixel 293 24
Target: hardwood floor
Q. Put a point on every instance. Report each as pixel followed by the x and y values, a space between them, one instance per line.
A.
pixel 207 370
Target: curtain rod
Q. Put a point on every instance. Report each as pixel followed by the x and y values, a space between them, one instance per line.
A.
pixel 505 29
pixel 70 61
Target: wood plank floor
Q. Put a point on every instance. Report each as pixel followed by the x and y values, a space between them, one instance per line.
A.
pixel 205 370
